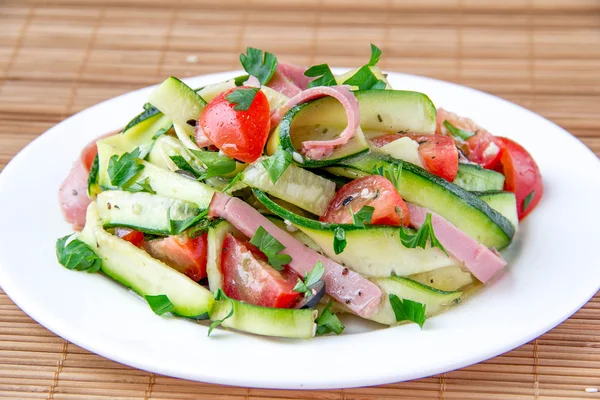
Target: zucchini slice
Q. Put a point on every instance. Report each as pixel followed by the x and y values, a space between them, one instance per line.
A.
pixel 373 251
pixel 177 100
pixel 137 270
pixel 472 177
pixel 463 209
pixel 216 235
pixel 503 202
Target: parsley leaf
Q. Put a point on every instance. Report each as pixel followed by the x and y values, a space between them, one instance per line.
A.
pixel 261 67
pixel 178 226
pixel 141 186
pixel 216 164
pixel 239 80
pixel 456 132
pixel 408 310
pixel 419 239
pixel 310 278
pixel 160 304
pixel 339 240
pixel 527 200
pixel 365 79
pixel 392 172
pixel 323 74
pixel 277 164
pixel 122 170
pixel 219 295
pixel 375 55
pixel 328 322
pixel 182 164
pixel 271 247
pixel 77 255
pixel 363 216
pixel 236 179
pixel 242 98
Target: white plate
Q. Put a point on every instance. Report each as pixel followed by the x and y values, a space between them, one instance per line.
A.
pixel 553 269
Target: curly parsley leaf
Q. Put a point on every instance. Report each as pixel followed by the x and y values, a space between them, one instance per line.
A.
pixel 77 255
pixel 271 247
pixel 242 98
pixel 240 80
pixel 527 200
pixel 408 310
pixel 179 226
pixel 375 55
pixel 419 239
pixel 456 132
pixel 339 240
pixel 122 170
pixel 365 79
pixel 323 75
pixel 392 172
pixel 310 278
pixel 277 164
pixel 363 216
pixel 160 304
pixel 141 186
pixel 183 165
pixel 219 295
pixel 328 322
pixel 256 65
pixel 216 164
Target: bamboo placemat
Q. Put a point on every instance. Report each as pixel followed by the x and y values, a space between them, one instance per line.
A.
pixel 59 57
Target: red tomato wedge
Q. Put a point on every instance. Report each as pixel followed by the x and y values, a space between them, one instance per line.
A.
pixel 248 277
pixel 374 191
pixel 523 176
pixel 186 255
pixel 438 152
pixel 239 134
pixel 136 238
pixel 480 148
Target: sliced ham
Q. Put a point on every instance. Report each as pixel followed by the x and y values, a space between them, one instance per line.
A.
pixel 480 260
pixel 283 85
pixel 295 74
pixel 318 149
pixel 201 139
pixel 252 81
pixel 357 293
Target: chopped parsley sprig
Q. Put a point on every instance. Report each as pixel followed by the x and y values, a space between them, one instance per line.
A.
pixel 271 247
pixel 419 238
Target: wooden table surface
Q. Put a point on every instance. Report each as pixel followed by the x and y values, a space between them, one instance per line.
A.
pixel 58 57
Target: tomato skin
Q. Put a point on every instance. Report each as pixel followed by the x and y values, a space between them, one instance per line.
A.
pixel 248 277
pixel 522 175
pixel 438 152
pixel 185 254
pixel 373 190
pixel 239 134
pixel 136 238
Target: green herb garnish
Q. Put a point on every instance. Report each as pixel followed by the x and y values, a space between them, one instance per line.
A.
pixel 365 79
pixel 328 322
pixel 323 75
pixel 456 132
pixel 363 216
pixel 242 98
pixel 271 247
pixel 310 279
pixel 183 165
pixel 419 239
pixel 256 65
pixel 392 172
pixel 408 310
pixel 216 164
pixel 77 255
pixel 160 303
pixel 527 200
pixel 178 226
pixel 277 164
pixel 339 240
pixel 219 295
pixel 375 55
pixel 122 170
pixel 162 131
pixel 141 186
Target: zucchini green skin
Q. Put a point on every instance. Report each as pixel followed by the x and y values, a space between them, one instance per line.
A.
pixel 463 209
pixel 137 270
pixel 177 100
pixel 503 202
pixel 475 178
pixel 435 300
pixel 216 235
pixel 373 250
pixel 279 322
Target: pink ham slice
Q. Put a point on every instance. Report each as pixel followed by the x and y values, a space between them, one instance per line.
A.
pixel 357 293
pixel 201 139
pixel 283 85
pixel 295 74
pixel 481 261
pixel 318 149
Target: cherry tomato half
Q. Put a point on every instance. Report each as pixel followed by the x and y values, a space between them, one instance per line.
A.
pixel 187 255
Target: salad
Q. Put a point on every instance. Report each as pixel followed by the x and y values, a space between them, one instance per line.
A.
pixel 275 201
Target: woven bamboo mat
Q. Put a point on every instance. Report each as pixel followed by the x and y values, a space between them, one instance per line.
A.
pixel 58 57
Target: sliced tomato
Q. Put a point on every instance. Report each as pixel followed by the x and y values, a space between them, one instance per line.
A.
pixel 374 191
pixel 438 152
pixel 248 277
pixel 187 255
pixel 241 134
pixel 523 176
pixel 481 148
pixel 136 238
